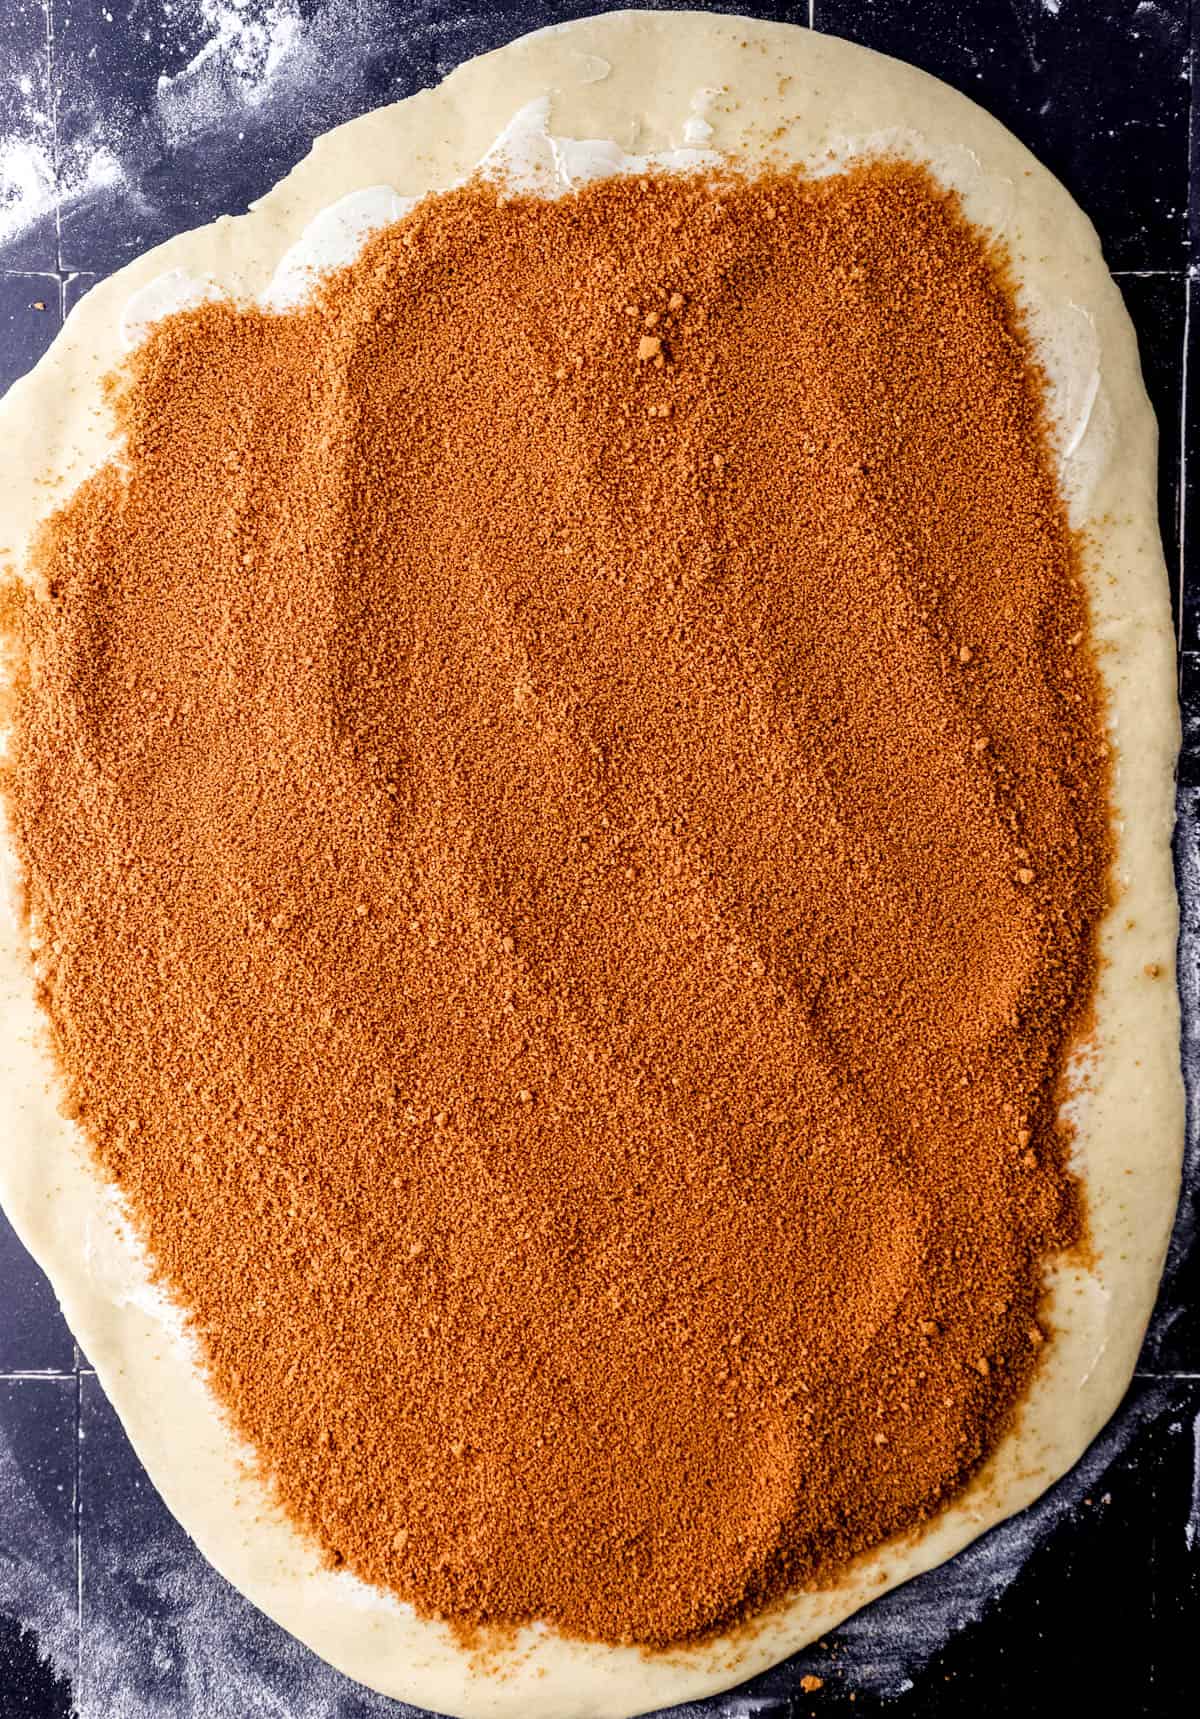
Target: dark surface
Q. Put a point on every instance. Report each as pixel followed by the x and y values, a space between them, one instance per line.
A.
pixel 1094 1595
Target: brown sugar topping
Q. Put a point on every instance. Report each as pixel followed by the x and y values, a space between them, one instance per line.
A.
pixel 568 860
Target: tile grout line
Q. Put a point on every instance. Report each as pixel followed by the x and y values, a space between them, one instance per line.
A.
pixel 1184 379
pixel 53 1374
pixel 54 151
pixel 77 1524
pixel 1181 505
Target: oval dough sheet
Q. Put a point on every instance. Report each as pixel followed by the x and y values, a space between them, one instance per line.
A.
pixel 770 93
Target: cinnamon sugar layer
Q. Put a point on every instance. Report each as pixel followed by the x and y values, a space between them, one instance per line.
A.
pixel 564 793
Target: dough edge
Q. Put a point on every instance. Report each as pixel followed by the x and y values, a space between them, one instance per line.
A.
pixel 1130 1120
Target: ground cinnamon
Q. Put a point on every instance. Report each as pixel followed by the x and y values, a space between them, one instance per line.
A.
pixel 564 793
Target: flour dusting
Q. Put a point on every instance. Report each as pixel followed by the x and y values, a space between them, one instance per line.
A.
pixel 880 1652
pixel 37 1562
pixel 31 190
pixel 26 157
pixel 254 39
pixel 245 55
pixel 204 77
pixel 26 183
pixel 1191 1531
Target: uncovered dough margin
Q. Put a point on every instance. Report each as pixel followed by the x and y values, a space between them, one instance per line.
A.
pixel 789 96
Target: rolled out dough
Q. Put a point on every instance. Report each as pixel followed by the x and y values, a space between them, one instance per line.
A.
pixel 786 96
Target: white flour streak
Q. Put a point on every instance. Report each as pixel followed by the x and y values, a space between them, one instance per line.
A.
pixel 227 66
pixel 1191 1532
pixel 30 185
pixel 38 1576
pixel 26 184
pixel 27 179
pixel 26 160
pixel 93 166
pixel 249 47
pixel 252 39
pixel 252 51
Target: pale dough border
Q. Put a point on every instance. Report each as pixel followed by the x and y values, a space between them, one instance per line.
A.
pixel 788 92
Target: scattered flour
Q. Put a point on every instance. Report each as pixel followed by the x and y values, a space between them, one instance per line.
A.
pixel 253 39
pixel 26 183
pixel 26 154
pixel 37 1562
pixel 28 190
pixel 238 66
pixel 1191 1532
pixel 250 51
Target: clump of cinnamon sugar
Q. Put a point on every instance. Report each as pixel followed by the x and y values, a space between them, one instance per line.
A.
pixel 566 806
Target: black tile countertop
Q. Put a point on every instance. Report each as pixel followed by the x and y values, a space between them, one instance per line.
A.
pixel 121 124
